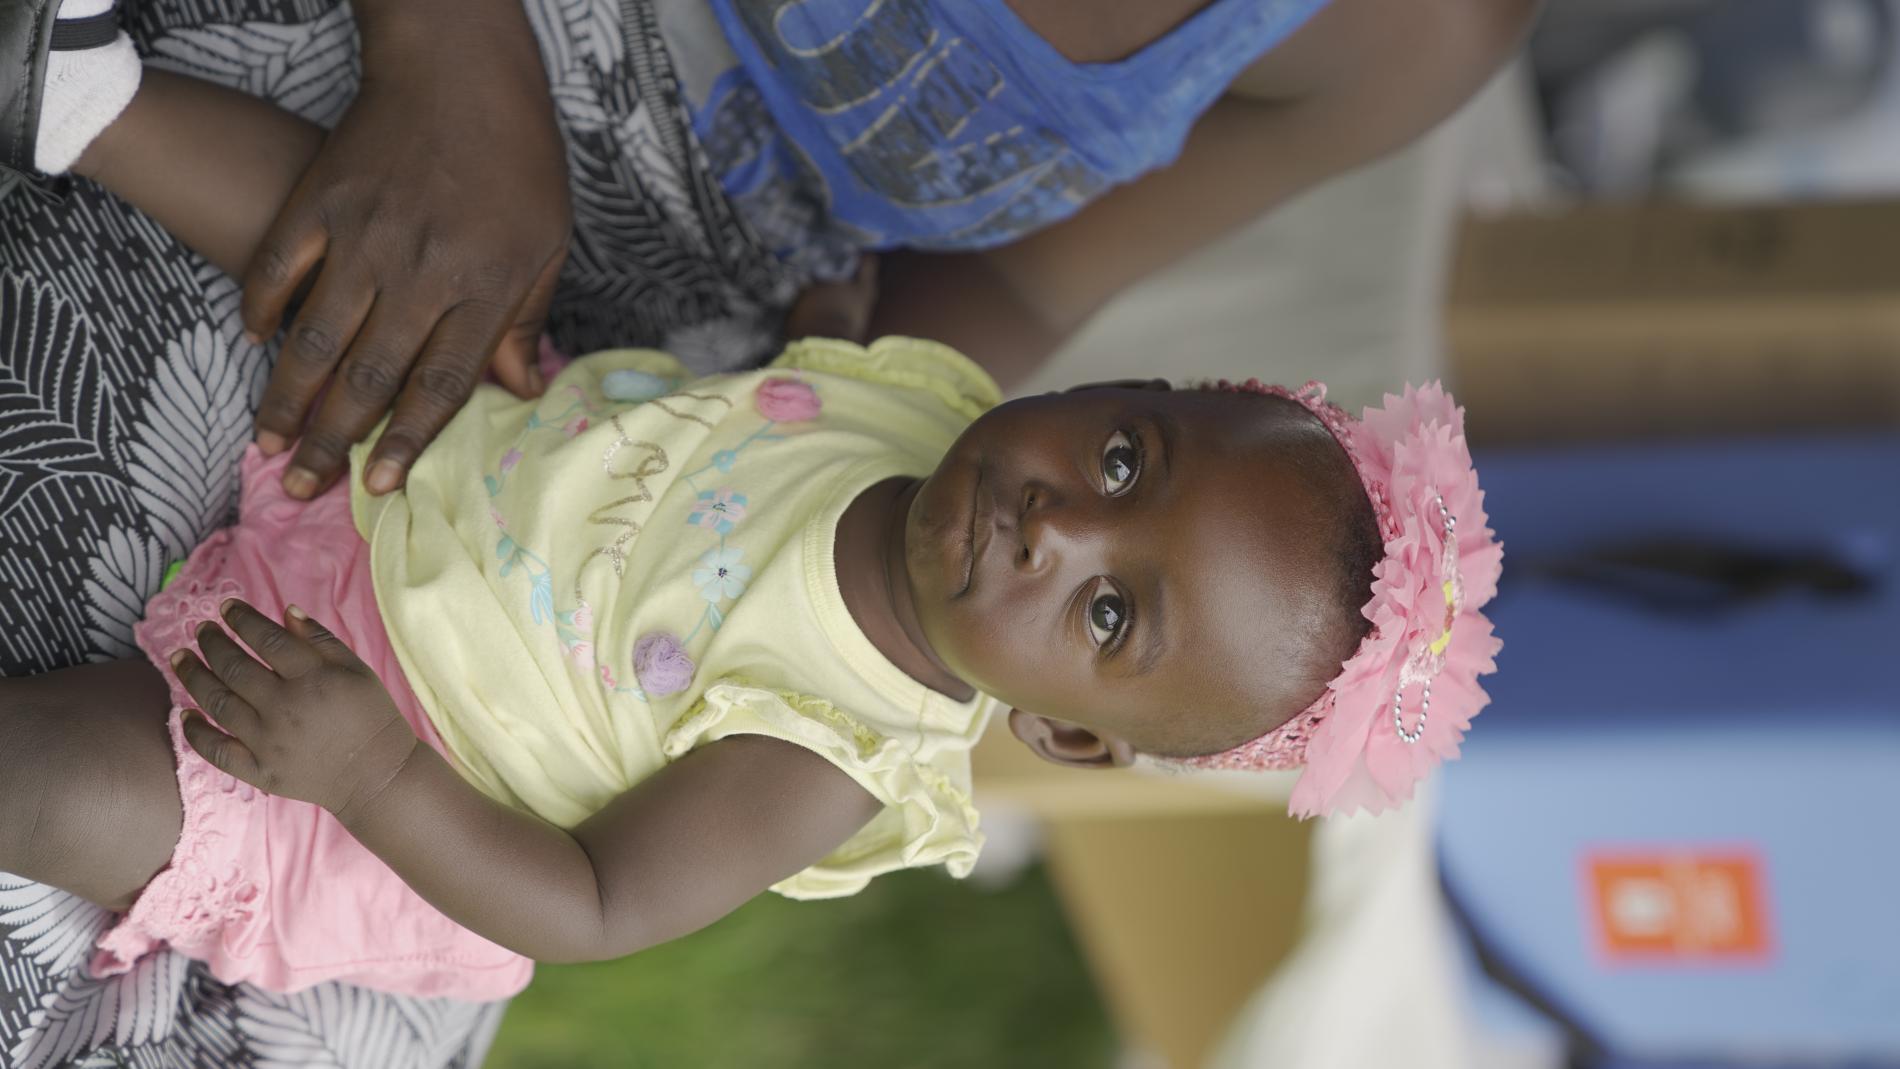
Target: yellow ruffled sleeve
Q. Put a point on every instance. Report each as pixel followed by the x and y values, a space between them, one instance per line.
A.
pixel 923 783
pixel 909 363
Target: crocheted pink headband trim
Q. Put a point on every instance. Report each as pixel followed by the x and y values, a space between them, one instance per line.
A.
pixel 1404 700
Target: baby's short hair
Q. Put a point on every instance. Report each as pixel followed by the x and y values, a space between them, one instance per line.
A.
pixel 1373 731
pixel 1348 525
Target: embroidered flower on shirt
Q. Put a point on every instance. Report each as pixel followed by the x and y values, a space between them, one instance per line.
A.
pixel 720 575
pixel 725 459
pixel 718 510
pixel 575 426
pixel 629 384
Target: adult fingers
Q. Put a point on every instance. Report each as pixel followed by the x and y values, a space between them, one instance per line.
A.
pixel 365 384
pixel 318 339
pixel 518 359
pixel 218 701
pixel 327 645
pixel 438 386
pixel 289 249
pixel 225 753
pixel 282 264
pixel 286 654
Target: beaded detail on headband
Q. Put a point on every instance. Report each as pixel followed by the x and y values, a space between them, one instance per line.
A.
pixel 1402 702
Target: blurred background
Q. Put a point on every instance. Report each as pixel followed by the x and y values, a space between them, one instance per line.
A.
pixel 1659 261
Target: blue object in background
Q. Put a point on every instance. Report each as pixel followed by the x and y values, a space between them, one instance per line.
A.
pixel 1742 697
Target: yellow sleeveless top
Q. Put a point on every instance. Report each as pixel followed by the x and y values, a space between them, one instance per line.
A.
pixel 584 587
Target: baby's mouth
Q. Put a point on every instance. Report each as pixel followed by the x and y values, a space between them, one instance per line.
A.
pixel 979 534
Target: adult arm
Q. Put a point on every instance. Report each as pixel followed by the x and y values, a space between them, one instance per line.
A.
pixel 1360 80
pixel 681 849
pixel 430 230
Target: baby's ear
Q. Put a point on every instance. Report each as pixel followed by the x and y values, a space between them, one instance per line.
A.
pixel 1070 745
pixel 1123 384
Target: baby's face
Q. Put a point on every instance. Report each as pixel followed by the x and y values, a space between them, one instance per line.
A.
pixel 1143 563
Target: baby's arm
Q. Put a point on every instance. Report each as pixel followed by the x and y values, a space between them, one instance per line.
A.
pixel 209 164
pixel 675 853
pixel 682 849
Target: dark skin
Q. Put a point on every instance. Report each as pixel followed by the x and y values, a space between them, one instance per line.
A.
pixel 1115 521
pixel 1120 525
pixel 428 229
pixel 430 225
pixel 1134 570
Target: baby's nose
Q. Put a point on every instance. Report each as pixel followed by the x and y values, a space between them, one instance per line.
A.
pixel 1052 530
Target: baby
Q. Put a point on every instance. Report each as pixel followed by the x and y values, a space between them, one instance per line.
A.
pixel 618 658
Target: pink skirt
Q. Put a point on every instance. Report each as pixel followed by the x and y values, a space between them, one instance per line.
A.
pixel 267 890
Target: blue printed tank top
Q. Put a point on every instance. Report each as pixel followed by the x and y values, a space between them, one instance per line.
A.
pixel 948 124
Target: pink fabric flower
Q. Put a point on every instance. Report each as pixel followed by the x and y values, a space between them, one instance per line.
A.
pixel 607 676
pixel 786 401
pixel 1427 630
pixel 575 426
pixel 660 664
pixel 550 359
pixel 510 459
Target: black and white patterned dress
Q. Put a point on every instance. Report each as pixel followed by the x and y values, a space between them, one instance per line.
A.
pixel 126 396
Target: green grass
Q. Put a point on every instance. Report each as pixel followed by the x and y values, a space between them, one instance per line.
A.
pixel 917 972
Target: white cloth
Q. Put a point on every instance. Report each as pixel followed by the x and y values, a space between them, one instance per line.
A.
pixel 85 91
pixel 1375 980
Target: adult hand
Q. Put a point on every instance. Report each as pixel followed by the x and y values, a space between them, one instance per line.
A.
pixel 310 722
pixel 430 230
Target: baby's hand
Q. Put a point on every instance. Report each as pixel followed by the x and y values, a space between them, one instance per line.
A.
pixel 312 722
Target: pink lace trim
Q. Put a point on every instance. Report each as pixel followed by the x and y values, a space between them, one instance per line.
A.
pixel 195 899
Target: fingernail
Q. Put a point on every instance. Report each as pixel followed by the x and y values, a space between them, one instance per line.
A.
pixel 384 476
pixel 224 608
pixel 300 483
pixel 178 659
pixel 295 611
pixel 271 443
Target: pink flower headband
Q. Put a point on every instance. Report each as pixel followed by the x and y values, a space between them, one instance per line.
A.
pixel 1402 703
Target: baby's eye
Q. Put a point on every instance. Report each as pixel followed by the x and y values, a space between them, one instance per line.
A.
pixel 1121 463
pixel 1107 616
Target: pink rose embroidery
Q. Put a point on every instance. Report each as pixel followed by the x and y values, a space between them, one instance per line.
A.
pixel 575 426
pixel 583 654
pixel 584 617
pixel 509 460
pixel 786 401
pixel 660 664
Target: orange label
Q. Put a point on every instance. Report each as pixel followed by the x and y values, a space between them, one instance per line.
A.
pixel 1683 905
